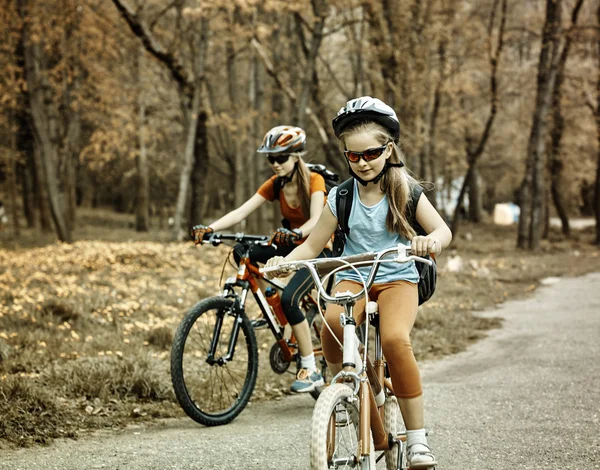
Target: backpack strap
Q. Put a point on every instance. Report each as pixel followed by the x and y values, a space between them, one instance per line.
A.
pixel 277 188
pixel 343 204
pixel 416 192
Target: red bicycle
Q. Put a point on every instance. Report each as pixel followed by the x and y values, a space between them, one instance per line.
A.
pixel 214 356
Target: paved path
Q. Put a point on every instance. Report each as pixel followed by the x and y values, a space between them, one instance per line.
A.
pixel 527 397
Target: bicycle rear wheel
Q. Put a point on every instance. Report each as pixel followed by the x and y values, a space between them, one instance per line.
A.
pixel 335 432
pixel 211 389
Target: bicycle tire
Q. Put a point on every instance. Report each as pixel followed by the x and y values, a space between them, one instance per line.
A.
pixel 332 402
pixel 393 427
pixel 201 388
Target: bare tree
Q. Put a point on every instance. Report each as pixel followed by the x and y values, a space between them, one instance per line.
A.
pixel 558 124
pixel 190 90
pixel 320 10
pixel 142 210
pixel 532 193
pixel 597 118
pixel 476 147
pixel 44 125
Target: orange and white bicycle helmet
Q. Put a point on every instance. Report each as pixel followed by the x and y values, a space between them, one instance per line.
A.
pixel 283 139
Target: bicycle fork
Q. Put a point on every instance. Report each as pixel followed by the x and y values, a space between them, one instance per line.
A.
pixel 235 331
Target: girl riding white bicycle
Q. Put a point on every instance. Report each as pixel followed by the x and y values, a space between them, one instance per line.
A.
pixel 369 133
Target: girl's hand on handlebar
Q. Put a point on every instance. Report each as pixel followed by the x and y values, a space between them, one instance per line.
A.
pixel 200 233
pixel 276 261
pixel 423 246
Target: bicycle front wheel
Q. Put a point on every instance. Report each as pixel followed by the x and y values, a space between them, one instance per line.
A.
pixel 335 432
pixel 214 362
pixel 392 425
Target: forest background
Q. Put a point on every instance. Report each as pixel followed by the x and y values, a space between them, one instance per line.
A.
pixel 149 114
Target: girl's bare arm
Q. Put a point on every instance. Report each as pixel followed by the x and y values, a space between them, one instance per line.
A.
pixel 317 202
pixel 438 236
pixel 239 214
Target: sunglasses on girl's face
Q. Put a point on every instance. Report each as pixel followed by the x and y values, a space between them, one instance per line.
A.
pixel 368 155
pixel 278 158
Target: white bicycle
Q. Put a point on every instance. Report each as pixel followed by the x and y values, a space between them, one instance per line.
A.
pixel 358 415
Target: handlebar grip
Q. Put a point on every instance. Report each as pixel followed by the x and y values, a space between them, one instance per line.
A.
pixel 277 268
pixel 328 265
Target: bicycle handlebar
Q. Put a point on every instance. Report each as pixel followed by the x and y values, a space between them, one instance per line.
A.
pixel 373 258
pixel 240 237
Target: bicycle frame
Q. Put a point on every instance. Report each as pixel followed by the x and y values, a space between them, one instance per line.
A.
pixel 370 377
pixel 247 280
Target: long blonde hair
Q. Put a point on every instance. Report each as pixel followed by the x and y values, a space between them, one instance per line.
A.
pixel 303 184
pixel 396 183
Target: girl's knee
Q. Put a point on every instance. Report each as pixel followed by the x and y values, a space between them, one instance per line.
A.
pixel 392 345
pixel 286 299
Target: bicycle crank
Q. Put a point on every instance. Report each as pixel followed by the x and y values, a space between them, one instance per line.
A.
pixel 277 361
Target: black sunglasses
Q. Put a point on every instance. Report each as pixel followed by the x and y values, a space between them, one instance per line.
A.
pixel 368 155
pixel 278 158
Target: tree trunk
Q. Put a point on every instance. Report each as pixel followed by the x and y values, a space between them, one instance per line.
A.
pixel 12 180
pixel 27 193
pixel 25 143
pixel 200 188
pixel 276 93
pixel 257 166
pixel 597 118
pixel 41 193
pixel 69 117
pixel 558 125
pixel 42 126
pixel 475 197
pixel 320 8
pixel 239 158
pixel 475 151
pixel 556 166
pixel 142 211
pixel 188 164
pixel 430 153
pixel 532 191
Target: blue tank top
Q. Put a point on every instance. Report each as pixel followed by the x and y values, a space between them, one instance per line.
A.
pixel 368 232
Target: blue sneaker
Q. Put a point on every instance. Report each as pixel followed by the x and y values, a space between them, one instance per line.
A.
pixel 307 381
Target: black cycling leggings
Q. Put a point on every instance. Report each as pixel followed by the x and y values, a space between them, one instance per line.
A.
pixel 300 284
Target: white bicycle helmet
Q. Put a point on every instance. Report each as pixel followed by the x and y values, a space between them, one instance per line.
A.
pixel 283 139
pixel 363 109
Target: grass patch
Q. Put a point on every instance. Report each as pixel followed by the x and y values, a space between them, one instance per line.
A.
pixel 31 415
pixel 61 311
pixel 161 338
pixel 106 378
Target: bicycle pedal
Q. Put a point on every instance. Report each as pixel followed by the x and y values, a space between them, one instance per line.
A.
pixel 258 324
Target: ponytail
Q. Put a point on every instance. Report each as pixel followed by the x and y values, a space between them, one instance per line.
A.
pixel 303 185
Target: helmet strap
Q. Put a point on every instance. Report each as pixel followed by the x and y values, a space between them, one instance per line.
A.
pixel 379 176
pixel 287 178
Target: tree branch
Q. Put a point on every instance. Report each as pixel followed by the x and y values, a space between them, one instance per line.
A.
pixel 161 13
pixel 141 30
pixel 286 88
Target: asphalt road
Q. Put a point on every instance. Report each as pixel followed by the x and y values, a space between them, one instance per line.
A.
pixel 527 397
